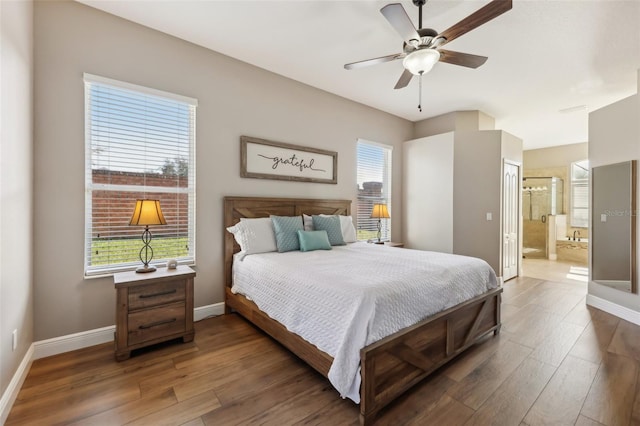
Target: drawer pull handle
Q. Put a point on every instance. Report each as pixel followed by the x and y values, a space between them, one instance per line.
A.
pixel 155 324
pixel 162 293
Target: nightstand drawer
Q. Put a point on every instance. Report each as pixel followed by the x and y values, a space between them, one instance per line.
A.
pixel 156 322
pixel 146 296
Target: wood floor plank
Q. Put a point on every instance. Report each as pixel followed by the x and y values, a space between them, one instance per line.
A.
pixel 131 411
pixel 555 347
pixel 611 397
pixel 181 412
pixel 635 413
pixel 85 399
pixel 626 340
pixel 447 411
pixel 474 357
pixel 580 314
pixel 593 342
pixel 561 400
pixel 532 325
pixel 240 412
pixel 510 402
pixel 420 403
pixel 476 387
pixel 586 421
pixel 195 422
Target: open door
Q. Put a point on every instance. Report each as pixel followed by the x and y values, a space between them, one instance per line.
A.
pixel 510 220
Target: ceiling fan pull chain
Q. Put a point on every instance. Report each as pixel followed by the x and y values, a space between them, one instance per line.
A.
pixel 420 93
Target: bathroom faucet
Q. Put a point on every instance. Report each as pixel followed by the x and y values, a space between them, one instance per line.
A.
pixel 574 235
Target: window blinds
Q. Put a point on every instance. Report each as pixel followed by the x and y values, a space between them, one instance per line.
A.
pixel 374 187
pixel 140 143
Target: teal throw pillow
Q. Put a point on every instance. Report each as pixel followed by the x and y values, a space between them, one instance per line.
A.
pixel 313 240
pixel 286 228
pixel 331 224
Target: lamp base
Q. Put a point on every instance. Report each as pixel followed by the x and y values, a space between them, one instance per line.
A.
pixel 145 269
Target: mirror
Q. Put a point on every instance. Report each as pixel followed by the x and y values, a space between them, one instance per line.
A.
pixel 613 226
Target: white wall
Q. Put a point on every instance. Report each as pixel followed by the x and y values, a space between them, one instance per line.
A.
pixel 234 99
pixel 16 184
pixel 427 193
pixel 614 137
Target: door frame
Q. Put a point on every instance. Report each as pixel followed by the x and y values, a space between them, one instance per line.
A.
pixel 517 164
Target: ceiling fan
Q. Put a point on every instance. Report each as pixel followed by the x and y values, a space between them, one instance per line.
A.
pixel 422 47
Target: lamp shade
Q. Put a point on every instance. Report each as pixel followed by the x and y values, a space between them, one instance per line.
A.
pixel 421 61
pixel 379 211
pixel 146 213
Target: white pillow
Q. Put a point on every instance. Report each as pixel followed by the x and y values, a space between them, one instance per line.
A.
pixel 348 230
pixel 308 222
pixel 346 225
pixel 254 235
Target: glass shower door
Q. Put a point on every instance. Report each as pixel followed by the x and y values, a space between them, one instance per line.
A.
pixel 541 197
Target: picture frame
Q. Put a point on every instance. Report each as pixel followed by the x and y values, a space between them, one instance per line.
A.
pixel 264 159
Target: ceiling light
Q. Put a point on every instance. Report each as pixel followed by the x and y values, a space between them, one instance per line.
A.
pixel 421 61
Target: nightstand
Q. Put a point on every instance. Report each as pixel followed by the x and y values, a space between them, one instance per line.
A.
pixel 152 308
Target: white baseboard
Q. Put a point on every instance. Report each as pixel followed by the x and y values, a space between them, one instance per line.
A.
pixel 11 393
pixel 84 339
pixel 208 311
pixel 614 309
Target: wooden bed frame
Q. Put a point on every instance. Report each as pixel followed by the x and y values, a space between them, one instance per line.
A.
pixel 390 366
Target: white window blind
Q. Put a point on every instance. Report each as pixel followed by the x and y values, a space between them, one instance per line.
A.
pixel 140 144
pixel 374 187
pixel 580 194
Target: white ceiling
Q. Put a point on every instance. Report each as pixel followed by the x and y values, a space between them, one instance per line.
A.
pixel 545 56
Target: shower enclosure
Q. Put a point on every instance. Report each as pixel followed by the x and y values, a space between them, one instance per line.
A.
pixel 541 197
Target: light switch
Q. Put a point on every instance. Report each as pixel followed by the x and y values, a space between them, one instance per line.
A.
pixel 489 216
pixel 603 217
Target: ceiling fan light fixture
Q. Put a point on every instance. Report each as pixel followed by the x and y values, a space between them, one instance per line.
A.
pixel 421 61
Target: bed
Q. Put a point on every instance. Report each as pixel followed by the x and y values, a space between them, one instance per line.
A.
pixel 390 365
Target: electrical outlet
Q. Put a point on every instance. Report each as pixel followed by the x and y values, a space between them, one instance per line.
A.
pixel 14 340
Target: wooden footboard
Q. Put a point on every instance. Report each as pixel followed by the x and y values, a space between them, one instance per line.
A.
pixel 394 364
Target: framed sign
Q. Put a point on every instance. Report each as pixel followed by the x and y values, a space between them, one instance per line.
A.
pixel 265 159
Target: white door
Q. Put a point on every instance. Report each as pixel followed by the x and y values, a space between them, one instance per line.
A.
pixel 510 220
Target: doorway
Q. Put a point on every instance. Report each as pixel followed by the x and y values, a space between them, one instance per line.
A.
pixel 510 220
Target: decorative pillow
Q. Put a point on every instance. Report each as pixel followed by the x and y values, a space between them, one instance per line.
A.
pixel 346 224
pixel 331 224
pixel 313 240
pixel 254 235
pixel 286 228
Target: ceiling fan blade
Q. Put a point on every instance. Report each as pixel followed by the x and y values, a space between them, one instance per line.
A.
pixel 464 59
pixel 399 20
pixel 405 78
pixel 479 17
pixel 374 61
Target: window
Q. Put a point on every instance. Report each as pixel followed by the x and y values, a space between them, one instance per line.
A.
pixel 580 194
pixel 139 143
pixel 374 187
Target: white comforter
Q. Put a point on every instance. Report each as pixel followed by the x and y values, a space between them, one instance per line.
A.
pixel 346 298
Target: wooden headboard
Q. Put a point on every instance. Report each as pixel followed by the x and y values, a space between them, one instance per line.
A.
pixel 238 207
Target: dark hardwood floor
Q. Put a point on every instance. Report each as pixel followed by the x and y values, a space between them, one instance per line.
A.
pixel 556 362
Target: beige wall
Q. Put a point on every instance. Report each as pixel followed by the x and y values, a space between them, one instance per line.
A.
pixel 16 185
pixel 614 137
pixel 234 99
pixel 473 171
